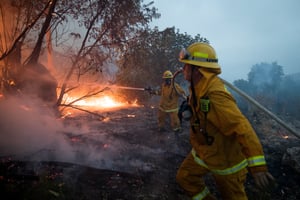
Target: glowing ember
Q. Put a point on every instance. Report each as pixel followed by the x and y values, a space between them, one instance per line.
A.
pixel 66 114
pixel 285 136
pixel 106 119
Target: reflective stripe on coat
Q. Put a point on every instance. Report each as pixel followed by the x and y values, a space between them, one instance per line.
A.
pixel 234 138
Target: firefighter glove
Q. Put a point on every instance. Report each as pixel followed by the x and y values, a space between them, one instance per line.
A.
pixel 185 111
pixel 264 180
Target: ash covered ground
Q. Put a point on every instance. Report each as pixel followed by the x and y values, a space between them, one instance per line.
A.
pixel 120 155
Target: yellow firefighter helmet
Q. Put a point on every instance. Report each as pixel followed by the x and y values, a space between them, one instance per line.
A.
pixel 167 74
pixel 200 54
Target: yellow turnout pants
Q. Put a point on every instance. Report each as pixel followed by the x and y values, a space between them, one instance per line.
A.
pixel 174 120
pixel 190 178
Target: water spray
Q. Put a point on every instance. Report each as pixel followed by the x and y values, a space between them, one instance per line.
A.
pixel 130 88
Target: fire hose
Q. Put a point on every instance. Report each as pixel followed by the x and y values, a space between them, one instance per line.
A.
pixel 252 101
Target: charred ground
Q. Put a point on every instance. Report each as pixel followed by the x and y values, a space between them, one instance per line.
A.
pixel 129 159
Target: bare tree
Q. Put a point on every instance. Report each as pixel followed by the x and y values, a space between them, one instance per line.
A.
pixel 108 28
pixel 104 29
pixel 17 19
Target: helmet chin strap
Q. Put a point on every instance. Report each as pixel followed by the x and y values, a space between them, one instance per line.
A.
pixel 193 88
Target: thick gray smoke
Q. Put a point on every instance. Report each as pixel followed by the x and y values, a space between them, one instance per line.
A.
pixel 31 133
pixel 26 131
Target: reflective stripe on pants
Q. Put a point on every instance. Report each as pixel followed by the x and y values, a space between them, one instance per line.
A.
pixel 190 177
pixel 201 195
pixel 234 169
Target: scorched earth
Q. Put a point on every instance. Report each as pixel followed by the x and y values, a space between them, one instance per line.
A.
pixel 113 154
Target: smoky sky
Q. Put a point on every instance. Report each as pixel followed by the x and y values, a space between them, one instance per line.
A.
pixel 243 33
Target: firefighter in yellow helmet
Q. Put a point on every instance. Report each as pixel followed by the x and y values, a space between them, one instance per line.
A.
pixel 168 104
pixel 223 141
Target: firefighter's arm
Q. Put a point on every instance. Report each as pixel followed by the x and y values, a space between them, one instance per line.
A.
pixel 180 90
pixel 233 122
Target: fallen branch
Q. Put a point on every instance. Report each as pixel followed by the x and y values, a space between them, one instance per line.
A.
pixel 81 109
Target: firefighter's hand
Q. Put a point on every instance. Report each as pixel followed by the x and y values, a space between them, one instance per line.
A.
pixel 185 111
pixel 150 90
pixel 264 180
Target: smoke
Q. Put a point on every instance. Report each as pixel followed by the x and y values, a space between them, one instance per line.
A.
pixel 27 130
pixel 33 133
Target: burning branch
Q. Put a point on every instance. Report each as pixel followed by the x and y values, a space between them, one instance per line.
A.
pixel 90 94
pixel 87 96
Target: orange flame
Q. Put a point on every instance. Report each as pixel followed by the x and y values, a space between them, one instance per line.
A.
pixel 104 102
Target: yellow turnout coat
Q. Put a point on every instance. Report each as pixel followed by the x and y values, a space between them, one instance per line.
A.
pixel 235 144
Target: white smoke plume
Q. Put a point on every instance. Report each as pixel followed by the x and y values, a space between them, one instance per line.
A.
pixel 26 130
